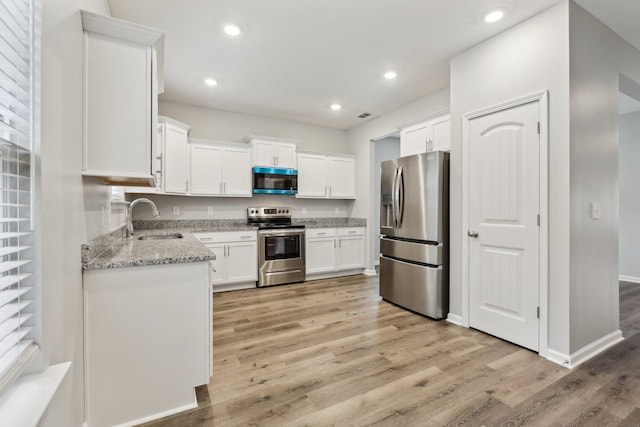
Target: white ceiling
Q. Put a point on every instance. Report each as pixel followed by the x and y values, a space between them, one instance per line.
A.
pixel 297 57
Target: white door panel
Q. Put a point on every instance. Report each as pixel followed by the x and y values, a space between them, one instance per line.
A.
pixel 503 210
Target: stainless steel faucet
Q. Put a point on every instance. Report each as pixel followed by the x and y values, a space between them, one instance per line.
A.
pixel 130 211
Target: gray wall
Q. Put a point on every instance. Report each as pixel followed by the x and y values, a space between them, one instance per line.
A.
pixel 598 56
pixel 577 59
pixel 227 126
pixel 629 155
pixel 71 206
pixel 528 58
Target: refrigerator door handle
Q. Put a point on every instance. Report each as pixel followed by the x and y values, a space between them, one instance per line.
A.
pixel 400 197
pixel 393 198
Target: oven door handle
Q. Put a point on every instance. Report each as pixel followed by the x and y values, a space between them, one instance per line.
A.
pixel 282 233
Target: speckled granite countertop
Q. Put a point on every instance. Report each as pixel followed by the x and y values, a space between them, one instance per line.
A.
pixel 114 250
pixel 331 222
pixel 124 252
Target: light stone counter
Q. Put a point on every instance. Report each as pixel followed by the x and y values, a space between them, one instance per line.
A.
pixel 113 250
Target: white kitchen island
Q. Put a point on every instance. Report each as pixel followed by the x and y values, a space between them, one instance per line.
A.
pixel 147 334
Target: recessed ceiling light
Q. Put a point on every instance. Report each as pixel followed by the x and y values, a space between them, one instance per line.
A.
pixel 336 107
pixel 211 82
pixel 493 16
pixel 390 75
pixel 232 30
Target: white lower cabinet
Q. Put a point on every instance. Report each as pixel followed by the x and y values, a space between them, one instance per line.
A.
pixel 334 252
pixel 147 341
pixel 236 263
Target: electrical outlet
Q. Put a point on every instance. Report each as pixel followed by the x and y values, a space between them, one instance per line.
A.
pixel 304 211
pixel 337 211
pixel 176 210
pixel 210 210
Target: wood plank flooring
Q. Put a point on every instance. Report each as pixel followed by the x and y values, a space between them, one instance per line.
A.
pixel 331 353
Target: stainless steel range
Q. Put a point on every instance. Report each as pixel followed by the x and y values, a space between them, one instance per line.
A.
pixel 280 246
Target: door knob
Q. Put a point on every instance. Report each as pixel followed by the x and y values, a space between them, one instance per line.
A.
pixel 473 234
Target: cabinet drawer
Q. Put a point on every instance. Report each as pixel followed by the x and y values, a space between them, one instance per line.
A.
pixel 351 231
pixel 228 236
pixel 320 232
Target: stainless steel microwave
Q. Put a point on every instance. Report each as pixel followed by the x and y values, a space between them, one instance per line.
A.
pixel 275 181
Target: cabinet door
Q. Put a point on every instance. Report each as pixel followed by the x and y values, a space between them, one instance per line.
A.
pixel 320 255
pixel 342 177
pixel 218 266
pixel 118 108
pixel 312 176
pixel 441 129
pixel 237 172
pixel 176 160
pixel 285 155
pixel 263 154
pixel 413 139
pixel 242 262
pixel 351 252
pixel 206 169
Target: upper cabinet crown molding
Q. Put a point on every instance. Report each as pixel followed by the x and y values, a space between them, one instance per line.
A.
pixel 251 137
pixel 131 32
pixel 423 119
pixel 174 122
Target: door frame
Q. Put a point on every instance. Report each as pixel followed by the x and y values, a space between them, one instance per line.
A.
pixel 542 97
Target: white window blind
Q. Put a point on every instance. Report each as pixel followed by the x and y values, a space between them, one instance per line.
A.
pixel 16 141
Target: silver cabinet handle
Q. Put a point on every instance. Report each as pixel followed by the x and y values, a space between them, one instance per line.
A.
pixel 473 234
pixel 330 191
pixel 186 186
pixel 245 237
pixel 321 234
pixel 220 187
pixel 325 190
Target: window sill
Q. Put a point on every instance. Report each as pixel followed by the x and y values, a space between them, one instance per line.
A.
pixel 24 403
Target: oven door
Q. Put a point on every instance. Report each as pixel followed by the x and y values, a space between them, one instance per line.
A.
pixel 280 256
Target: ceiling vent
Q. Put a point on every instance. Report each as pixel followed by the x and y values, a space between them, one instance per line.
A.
pixel 364 115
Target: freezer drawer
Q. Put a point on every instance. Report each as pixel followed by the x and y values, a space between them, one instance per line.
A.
pixel 412 251
pixel 419 288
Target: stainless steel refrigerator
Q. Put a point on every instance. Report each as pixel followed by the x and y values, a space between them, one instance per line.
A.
pixel 414 233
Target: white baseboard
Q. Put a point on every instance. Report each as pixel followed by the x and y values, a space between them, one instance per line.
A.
pixel 587 352
pixel 631 279
pixel 455 319
pixel 370 272
pixel 234 287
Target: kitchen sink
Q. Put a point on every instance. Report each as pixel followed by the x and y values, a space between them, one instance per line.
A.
pixel 161 236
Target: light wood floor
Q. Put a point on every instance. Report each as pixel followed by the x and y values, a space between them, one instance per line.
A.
pixel 331 353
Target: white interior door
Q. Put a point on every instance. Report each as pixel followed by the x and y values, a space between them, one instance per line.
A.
pixel 504 189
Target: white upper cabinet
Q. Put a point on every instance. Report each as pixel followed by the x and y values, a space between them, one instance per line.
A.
pixel 326 177
pixel 272 152
pixel 430 135
pixel 122 66
pixel 342 177
pixel 220 169
pixel 174 156
pixel 312 175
